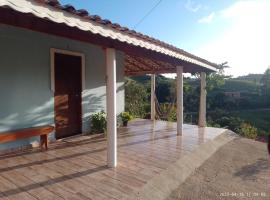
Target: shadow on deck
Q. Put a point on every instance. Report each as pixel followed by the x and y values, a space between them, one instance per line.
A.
pixel 75 168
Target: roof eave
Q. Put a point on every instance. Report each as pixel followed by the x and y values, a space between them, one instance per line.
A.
pixel 42 10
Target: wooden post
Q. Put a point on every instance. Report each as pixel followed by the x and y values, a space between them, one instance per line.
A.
pixel 111 108
pixel 202 111
pixel 179 95
pixel 153 91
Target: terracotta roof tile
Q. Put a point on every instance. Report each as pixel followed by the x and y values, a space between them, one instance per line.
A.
pixel 70 9
pixel 83 13
pixel 106 22
pixel 53 2
pixel 96 18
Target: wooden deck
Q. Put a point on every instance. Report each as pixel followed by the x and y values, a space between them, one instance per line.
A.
pixel 76 168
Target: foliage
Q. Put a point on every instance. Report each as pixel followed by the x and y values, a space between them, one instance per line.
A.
pixel 98 122
pixel 191 96
pixel 256 78
pixel 223 111
pixel 258 118
pixel 142 79
pixel 169 110
pixel 265 80
pixel 136 99
pixel 247 130
pixel 165 89
pixel 125 116
pixel 219 100
pixel 215 80
pixel 223 119
pixel 172 117
pixel 233 85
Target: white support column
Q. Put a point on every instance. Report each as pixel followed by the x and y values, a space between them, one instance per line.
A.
pixel 111 108
pixel 202 112
pixel 153 90
pixel 179 98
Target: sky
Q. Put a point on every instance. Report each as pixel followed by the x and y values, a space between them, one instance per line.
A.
pixel 233 31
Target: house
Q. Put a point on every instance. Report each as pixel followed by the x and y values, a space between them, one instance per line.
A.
pixel 59 65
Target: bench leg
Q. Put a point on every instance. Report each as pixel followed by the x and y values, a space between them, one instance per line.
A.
pixel 44 141
pixel 41 141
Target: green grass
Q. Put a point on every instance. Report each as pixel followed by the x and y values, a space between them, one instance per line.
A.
pixel 259 119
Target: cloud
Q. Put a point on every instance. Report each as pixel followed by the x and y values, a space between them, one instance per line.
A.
pixel 207 19
pixel 245 43
pixel 192 6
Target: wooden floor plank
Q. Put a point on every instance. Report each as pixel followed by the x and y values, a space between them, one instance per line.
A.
pixel 29 186
pixel 13 192
pixel 76 168
pixel 61 169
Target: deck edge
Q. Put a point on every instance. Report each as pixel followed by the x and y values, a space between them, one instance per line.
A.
pixel 161 186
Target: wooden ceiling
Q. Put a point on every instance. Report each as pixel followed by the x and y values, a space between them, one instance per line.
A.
pixel 146 63
pixel 135 65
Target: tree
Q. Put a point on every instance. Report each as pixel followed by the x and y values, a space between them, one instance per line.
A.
pixel 164 89
pixel 265 81
pixel 136 98
pixel 217 79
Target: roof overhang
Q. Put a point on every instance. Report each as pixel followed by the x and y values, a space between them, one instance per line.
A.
pixel 46 12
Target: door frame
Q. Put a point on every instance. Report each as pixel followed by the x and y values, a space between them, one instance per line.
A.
pixel 53 51
pixel 66 52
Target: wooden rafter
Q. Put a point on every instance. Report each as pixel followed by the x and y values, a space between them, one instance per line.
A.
pixel 133 73
pixel 135 65
pixel 132 61
pixel 130 66
pixel 148 62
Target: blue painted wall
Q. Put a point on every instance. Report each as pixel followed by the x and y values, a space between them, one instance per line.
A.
pixel 26 98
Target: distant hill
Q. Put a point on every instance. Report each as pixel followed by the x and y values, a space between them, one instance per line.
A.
pixel 244 84
pixel 236 85
pixel 250 77
pixel 247 84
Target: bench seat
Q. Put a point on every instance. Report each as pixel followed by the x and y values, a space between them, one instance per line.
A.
pixel 42 131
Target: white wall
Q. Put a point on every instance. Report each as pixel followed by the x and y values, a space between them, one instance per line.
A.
pixel 26 98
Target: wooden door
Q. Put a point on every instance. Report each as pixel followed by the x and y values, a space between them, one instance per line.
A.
pixel 68 100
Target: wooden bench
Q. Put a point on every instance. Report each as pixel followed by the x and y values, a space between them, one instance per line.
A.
pixel 42 131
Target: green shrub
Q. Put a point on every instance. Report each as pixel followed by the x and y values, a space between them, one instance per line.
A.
pixel 172 117
pixel 168 111
pixel 125 116
pixel 211 123
pixel 98 122
pixel 247 130
pixel 232 123
pixel 136 98
pixel 236 124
